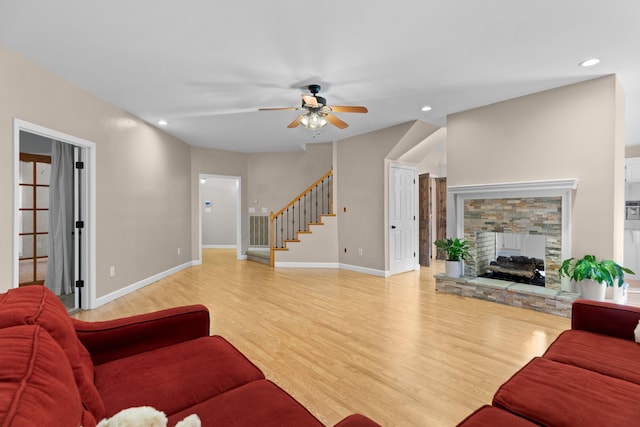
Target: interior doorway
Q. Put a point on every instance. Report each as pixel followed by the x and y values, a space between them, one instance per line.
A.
pixel 54 213
pixel 220 218
pixel 403 230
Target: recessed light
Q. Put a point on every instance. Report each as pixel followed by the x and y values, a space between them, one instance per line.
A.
pixel 162 122
pixel 589 62
pixel 426 108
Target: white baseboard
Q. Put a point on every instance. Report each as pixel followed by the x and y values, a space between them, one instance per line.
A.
pixel 138 285
pixel 219 246
pixel 307 264
pixel 364 270
pixel 355 268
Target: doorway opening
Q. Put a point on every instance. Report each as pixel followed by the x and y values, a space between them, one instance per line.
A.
pixel 219 208
pixel 54 224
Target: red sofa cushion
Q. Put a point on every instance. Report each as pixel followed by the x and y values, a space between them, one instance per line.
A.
pixel 37 305
pixel 490 416
pixel 557 394
pixel 615 357
pixel 37 387
pixel 173 378
pixel 259 403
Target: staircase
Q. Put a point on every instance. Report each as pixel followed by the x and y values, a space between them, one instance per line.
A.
pixel 296 218
pixel 263 256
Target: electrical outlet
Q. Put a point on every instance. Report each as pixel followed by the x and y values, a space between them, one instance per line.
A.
pixel 359 251
pixel 112 271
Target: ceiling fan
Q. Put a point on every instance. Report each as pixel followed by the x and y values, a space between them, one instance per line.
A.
pixel 317 113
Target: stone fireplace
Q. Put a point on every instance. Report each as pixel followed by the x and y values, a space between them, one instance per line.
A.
pixel 538 208
pixel 539 216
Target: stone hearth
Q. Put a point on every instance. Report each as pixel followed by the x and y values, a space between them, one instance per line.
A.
pixel 546 300
pixel 541 208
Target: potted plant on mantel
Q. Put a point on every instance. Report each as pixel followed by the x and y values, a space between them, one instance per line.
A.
pixel 592 277
pixel 456 250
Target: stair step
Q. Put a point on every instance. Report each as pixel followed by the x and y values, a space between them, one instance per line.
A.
pixel 261 256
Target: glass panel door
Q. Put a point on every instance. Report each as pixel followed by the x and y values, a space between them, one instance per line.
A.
pixel 35 171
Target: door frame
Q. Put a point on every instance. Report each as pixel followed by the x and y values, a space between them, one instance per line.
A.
pixel 416 237
pixel 88 156
pixel 238 180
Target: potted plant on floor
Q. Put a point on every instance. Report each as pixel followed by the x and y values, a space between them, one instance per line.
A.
pixel 456 250
pixel 592 277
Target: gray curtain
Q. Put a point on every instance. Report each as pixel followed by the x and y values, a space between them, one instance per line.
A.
pixel 60 266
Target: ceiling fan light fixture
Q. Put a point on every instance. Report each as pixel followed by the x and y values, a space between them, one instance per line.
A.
pixel 314 121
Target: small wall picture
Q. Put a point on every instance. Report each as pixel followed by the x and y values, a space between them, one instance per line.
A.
pixel 207 203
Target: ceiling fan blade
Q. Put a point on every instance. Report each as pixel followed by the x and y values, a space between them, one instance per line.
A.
pixel 310 100
pixel 296 122
pixel 349 109
pixel 336 121
pixel 278 109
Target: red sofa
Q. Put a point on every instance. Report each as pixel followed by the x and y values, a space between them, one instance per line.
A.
pixel 589 376
pixel 58 371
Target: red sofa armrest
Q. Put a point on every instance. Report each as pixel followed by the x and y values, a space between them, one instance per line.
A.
pixel 114 339
pixel 605 318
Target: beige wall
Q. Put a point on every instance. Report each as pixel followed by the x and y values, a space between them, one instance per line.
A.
pixel 571 132
pixel 276 178
pixel 632 151
pixel 216 162
pixel 142 175
pixel 360 189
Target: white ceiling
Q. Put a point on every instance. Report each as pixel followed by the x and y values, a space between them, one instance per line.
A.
pixel 207 66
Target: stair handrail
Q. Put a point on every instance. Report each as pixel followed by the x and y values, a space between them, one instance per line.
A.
pixel 273 216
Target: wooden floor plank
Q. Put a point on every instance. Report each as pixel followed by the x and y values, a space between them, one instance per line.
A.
pixel 341 342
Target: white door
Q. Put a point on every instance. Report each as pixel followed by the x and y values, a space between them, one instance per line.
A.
pixel 402 219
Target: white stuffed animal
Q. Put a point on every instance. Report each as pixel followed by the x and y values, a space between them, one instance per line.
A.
pixel 146 416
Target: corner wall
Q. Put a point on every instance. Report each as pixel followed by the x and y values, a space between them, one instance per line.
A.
pixel 361 191
pixel 142 175
pixel 575 131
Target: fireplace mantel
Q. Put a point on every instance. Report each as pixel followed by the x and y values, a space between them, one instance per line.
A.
pixel 548 188
pixel 561 188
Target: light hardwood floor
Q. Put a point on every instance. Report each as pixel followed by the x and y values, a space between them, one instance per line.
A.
pixel 341 342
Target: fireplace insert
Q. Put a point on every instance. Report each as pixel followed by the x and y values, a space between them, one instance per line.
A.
pixel 520 269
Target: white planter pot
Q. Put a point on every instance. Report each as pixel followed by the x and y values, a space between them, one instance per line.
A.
pixel 590 289
pixel 453 268
pixel 617 293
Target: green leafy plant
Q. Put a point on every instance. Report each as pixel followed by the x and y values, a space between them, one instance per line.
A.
pixel 456 249
pixel 589 268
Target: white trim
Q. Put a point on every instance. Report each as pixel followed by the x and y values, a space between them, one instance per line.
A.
pixel 139 285
pixel 364 270
pixel 88 296
pixel 340 266
pixel 219 246
pixel 555 187
pixel 284 264
pixel 564 188
pixel 238 245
